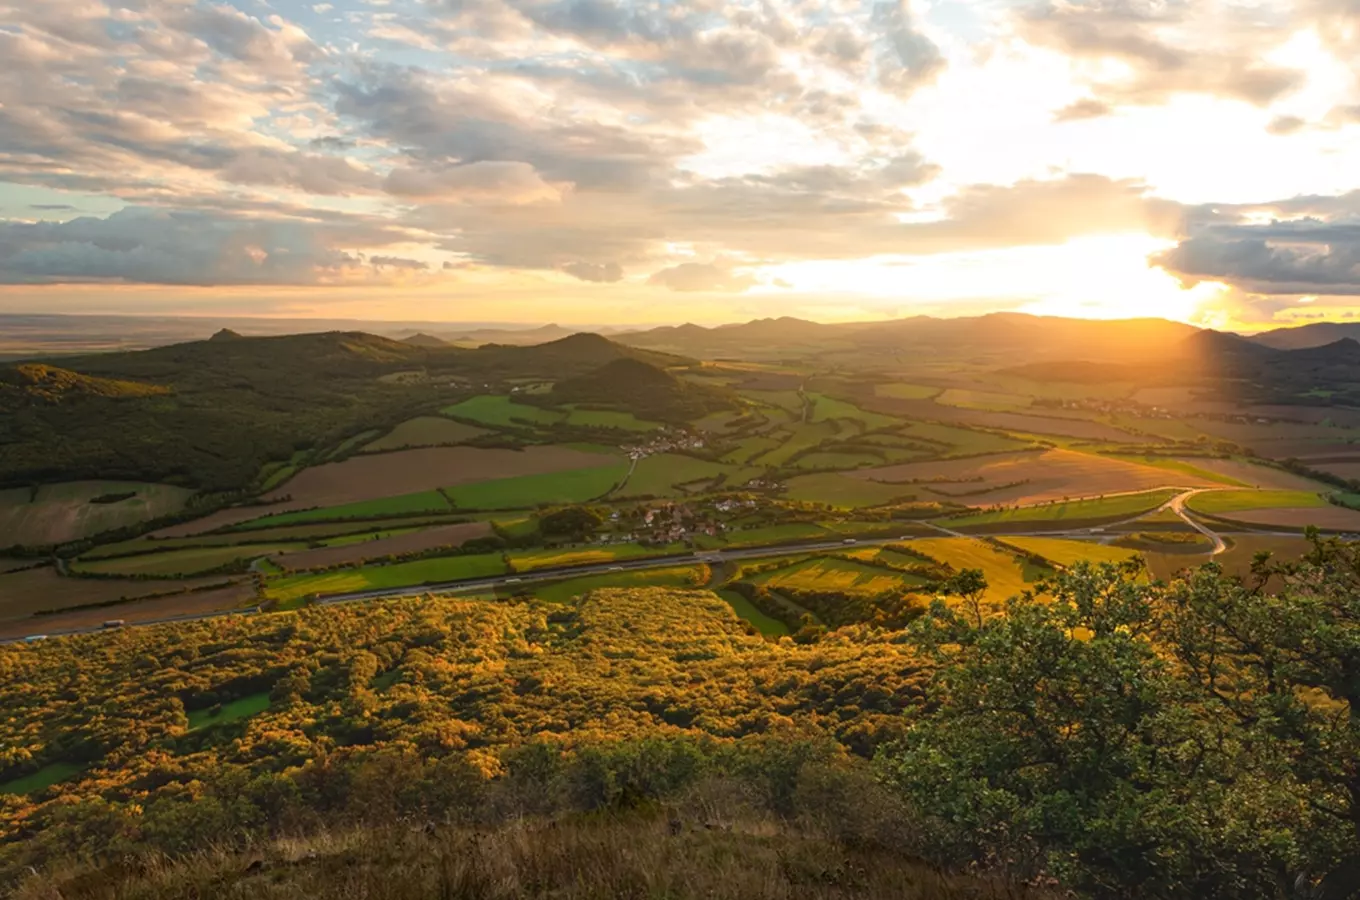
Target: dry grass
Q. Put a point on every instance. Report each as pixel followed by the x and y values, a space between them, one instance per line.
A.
pixel 672 854
pixel 1029 477
pixel 63 512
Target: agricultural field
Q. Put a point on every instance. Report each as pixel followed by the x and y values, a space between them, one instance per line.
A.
pixel 1236 560
pixel 425 431
pixel 663 475
pixel 180 563
pixel 603 418
pixel 961 441
pixel 1221 503
pixel 1070 513
pixel 1254 475
pixel 990 400
pixel 748 449
pixel 1028 477
pixel 364 478
pixel 495 410
pixel 58 513
pixel 355 549
pixel 1007 575
pixel 830 573
pixel 838 459
pixel 801 437
pixel 826 409
pixel 774 534
pixel 24 594
pixel 1191 467
pixel 570 589
pixel 1068 553
pixel 836 489
pixel 530 560
pixel 903 391
pixel 401 505
pixel 575 486
pixel 364 578
pixel 789 401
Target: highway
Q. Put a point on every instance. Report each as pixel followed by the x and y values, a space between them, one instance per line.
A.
pixel 475 585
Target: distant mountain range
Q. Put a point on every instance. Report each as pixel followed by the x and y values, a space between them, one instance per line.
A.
pixel 1315 334
pixel 44 336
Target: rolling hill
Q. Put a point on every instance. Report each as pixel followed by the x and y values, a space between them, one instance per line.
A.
pixel 1300 337
pixel 648 392
pixel 209 414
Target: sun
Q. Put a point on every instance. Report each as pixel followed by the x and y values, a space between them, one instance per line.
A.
pixel 1109 277
pixel 1097 277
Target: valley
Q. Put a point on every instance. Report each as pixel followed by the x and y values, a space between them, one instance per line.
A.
pixel 669 449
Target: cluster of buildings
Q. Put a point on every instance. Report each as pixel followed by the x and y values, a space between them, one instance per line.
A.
pixel 665 440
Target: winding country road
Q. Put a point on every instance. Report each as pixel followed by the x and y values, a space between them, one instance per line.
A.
pixel 1175 504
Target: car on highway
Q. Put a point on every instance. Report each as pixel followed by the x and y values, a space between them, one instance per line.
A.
pixel 849 541
pixel 113 623
pixel 513 580
pixel 34 638
pixel 616 568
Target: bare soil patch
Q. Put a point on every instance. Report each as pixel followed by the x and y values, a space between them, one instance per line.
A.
pixel 430 538
pixel 36 590
pixel 1028 477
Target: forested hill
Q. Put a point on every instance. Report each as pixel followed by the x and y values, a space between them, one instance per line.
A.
pixel 648 392
pixel 209 414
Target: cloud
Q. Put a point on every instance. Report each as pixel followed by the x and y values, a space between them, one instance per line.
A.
pixel 1085 108
pixel 1284 125
pixel 1307 256
pixel 603 273
pixel 397 262
pixel 485 181
pixel 689 277
pixel 1166 48
pixel 151 246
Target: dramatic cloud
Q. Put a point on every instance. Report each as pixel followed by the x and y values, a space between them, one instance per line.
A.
pixel 623 149
pixel 186 248
pixel 1313 248
pixel 1166 48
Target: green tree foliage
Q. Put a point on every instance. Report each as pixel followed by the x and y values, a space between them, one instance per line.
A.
pixel 571 521
pixel 1190 740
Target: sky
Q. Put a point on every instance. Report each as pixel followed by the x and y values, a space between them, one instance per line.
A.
pixel 597 161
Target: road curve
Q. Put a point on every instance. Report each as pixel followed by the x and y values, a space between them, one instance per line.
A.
pixel 1177 506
